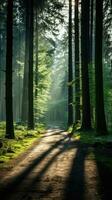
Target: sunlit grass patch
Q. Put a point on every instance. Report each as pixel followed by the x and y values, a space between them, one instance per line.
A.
pixel 99 149
pixel 91 137
pixel 11 148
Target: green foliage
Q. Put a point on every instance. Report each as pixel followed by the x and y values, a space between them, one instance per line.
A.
pixel 44 79
pixel 57 105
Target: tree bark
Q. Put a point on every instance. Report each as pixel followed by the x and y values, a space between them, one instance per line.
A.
pixel 91 32
pixel 24 114
pixel 100 113
pixel 30 76
pixel 70 68
pixel 9 54
pixel 77 66
pixel 86 116
pixel 36 63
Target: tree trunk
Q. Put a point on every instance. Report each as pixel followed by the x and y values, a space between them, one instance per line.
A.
pixel 9 54
pixel 91 67
pixel 0 67
pixel 91 32
pixel 77 66
pixel 30 76
pixel 86 117
pixel 24 114
pixel 100 114
pixel 70 70
pixel 36 63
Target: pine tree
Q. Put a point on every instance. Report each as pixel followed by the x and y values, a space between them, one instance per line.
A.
pixel 86 116
pixel 24 114
pixel 100 113
pixel 70 68
pixel 77 66
pixel 9 54
pixel 30 74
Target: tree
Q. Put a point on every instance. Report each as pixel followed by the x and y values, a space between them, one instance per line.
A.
pixel 30 65
pixel 86 116
pixel 100 113
pixel 91 30
pixel 91 59
pixel 24 114
pixel 77 67
pixel 27 99
pixel 70 68
pixel 9 51
pixel 36 52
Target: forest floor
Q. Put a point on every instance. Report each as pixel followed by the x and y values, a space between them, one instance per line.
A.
pixel 56 168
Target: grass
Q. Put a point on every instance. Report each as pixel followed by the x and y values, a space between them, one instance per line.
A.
pixel 91 137
pixel 11 148
pixel 100 147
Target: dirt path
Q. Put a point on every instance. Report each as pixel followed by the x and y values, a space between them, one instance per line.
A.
pixel 57 168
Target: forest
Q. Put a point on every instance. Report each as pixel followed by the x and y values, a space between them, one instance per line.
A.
pixel 55 99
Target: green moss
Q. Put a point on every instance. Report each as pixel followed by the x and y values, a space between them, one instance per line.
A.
pixel 104 160
pixel 91 137
pixel 98 145
pixel 10 149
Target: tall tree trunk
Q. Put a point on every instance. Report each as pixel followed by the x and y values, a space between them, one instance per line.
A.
pixel 77 67
pixel 1 78
pixel 24 114
pixel 91 32
pixel 9 50
pixel 36 49
pixel 100 114
pixel 70 68
pixel 0 65
pixel 19 79
pixel 30 76
pixel 91 66
pixel 86 117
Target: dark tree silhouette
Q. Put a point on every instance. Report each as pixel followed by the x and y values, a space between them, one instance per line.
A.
pixel 70 68
pixel 36 49
pixel 100 113
pixel 9 54
pixel 30 77
pixel 27 99
pixel 24 114
pixel 91 31
pixel 77 67
pixel 86 117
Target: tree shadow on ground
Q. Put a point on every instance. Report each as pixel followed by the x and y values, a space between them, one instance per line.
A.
pixel 66 145
pixel 74 188
pixel 105 178
pixel 9 188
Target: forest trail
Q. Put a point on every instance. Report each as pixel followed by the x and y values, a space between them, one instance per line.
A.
pixel 57 168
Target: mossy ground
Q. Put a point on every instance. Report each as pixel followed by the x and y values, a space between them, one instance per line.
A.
pixel 100 147
pixel 11 148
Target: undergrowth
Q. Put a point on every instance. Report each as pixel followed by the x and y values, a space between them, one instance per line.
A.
pixel 100 147
pixel 11 148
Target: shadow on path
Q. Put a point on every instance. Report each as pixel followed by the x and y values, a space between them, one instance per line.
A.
pixel 105 179
pixel 31 180
pixel 74 188
pixel 7 190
